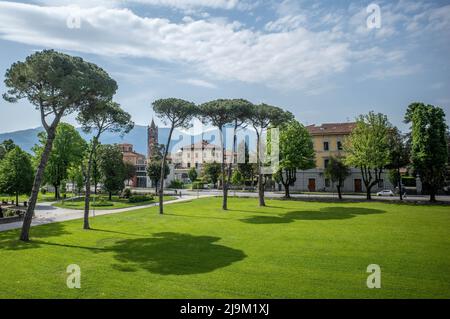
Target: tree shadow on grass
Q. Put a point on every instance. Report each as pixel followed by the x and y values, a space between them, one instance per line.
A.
pixel 174 254
pixel 327 213
pixel 9 240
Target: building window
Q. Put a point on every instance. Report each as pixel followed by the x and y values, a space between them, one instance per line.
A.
pixel 325 146
pixel 196 155
pixel 339 145
pixel 326 162
pixel 189 165
pixel 327 182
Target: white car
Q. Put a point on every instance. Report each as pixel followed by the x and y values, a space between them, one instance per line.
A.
pixel 385 192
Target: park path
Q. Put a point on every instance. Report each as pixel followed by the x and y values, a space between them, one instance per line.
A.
pixel 45 213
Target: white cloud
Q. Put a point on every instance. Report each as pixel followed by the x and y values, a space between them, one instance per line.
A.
pixel 216 48
pixel 286 23
pixel 382 73
pixel 200 83
pixel 179 4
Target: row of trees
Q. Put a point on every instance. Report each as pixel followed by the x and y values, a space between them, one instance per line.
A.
pixel 376 145
pixel 67 164
pixel 178 113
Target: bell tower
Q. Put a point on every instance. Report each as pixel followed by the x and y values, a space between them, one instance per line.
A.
pixel 152 138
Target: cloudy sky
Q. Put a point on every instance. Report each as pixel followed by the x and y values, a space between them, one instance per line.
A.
pixel 320 60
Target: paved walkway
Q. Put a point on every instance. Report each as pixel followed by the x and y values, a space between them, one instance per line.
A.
pixel 45 213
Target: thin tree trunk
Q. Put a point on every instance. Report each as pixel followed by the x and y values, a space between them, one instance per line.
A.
pixel 432 195
pixel 110 196
pixel 87 196
pixel 163 166
pixel 56 191
pixel 339 191
pixel 24 235
pixel 368 195
pixel 17 198
pixel 230 165
pixel 260 175
pixel 224 179
pixel 287 194
pixel 399 183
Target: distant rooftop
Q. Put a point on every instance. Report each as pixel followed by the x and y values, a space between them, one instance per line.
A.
pixel 331 128
pixel 201 145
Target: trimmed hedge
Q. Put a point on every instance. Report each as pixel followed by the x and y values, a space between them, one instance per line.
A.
pixel 139 198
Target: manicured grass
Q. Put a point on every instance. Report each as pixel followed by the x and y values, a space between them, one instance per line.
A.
pixel 290 249
pixel 103 203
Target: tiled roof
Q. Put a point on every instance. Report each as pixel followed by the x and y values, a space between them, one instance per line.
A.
pixel 331 128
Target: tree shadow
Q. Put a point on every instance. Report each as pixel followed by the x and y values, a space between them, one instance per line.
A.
pixel 175 254
pixel 327 213
pixel 9 240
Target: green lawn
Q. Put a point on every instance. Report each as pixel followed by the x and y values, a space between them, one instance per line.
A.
pixel 290 249
pixel 105 203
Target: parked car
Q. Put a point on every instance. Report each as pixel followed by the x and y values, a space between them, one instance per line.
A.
pixel 385 192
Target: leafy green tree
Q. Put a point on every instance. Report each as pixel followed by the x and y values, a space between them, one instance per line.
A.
pixel 398 157
pixel 261 117
pixel 296 152
pixel 429 153
pixel 237 178
pixel 113 168
pixel 68 150
pixel 337 171
pixel 176 113
pixel 57 85
pixel 193 174
pixel 5 147
pixel 98 118
pixel 76 177
pixel 154 166
pixel 367 147
pixel 16 173
pixel 154 172
pixel 212 171
pixel 130 171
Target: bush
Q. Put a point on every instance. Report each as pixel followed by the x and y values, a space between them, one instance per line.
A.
pixel 11 212
pixel 126 193
pixel 176 183
pixel 139 198
pixel 43 190
pixel 198 185
pixel 101 203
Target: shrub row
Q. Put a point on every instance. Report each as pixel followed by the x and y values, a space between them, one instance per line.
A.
pixel 139 198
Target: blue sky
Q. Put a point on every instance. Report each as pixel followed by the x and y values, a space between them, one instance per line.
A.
pixel 317 59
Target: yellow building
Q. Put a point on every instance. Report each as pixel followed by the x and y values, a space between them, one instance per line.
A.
pixel 328 140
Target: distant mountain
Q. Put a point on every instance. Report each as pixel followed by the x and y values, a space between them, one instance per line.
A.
pixel 26 139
